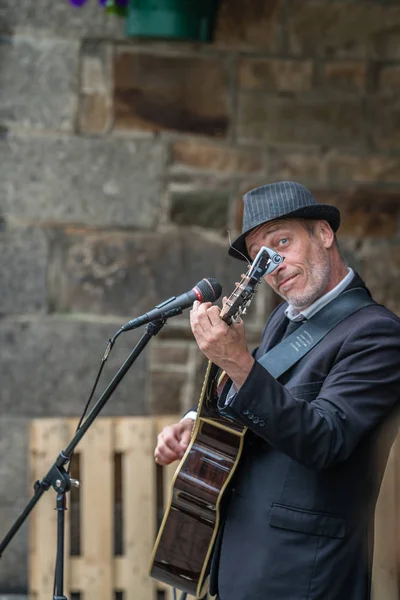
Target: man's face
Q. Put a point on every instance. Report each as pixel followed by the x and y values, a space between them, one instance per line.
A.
pixel 304 275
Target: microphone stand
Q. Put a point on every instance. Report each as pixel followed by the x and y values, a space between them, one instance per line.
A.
pixel 59 478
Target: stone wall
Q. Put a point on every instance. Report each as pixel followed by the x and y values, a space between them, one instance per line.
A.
pixel 122 166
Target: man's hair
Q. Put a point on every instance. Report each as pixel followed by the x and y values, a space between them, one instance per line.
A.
pixel 309 225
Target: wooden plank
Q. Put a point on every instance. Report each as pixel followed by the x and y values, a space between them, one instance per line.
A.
pixel 97 573
pixel 47 438
pixel 78 579
pixel 385 584
pixel 96 495
pixel 136 437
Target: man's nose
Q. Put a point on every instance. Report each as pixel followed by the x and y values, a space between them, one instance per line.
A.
pixel 278 269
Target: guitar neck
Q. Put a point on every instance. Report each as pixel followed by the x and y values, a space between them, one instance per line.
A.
pixel 207 408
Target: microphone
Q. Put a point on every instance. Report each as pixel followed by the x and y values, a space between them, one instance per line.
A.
pixel 207 290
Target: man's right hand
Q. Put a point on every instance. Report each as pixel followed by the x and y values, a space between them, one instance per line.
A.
pixel 173 441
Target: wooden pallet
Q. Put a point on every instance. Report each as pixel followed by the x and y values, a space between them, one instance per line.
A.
pixel 96 571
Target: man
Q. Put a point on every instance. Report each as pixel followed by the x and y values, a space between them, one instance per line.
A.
pixel 299 520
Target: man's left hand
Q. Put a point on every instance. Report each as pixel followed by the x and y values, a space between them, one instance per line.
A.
pixel 225 345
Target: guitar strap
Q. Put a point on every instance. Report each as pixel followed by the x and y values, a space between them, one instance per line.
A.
pixel 296 345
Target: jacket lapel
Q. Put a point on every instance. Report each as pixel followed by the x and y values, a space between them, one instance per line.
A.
pixel 277 324
pixel 276 327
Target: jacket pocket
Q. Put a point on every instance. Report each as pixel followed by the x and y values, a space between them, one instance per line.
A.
pixel 305 521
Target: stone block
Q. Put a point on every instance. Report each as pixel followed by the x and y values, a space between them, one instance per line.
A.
pixel 128 274
pixel 389 79
pixel 351 169
pixel 14 560
pixel 244 187
pixel 382 272
pixel 206 208
pixel 96 67
pixel 49 365
pixel 114 182
pixel 312 119
pixel 171 352
pixel 166 391
pixel 345 76
pixel 14 466
pixel 170 92
pixel 59 18
pixel 350 250
pixel 274 74
pixel 189 155
pixel 344 29
pixel 95 114
pixel 304 166
pixel 384 121
pixel 256 24
pixel 176 381
pixel 365 212
pixel 39 82
pixel 23 271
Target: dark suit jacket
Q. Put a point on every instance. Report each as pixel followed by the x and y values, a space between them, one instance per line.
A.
pixel 299 519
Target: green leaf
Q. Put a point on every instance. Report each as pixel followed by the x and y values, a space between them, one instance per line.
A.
pixel 113 8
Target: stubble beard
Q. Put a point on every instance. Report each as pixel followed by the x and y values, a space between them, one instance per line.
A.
pixel 319 282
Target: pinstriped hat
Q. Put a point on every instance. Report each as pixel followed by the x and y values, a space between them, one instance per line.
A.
pixel 276 201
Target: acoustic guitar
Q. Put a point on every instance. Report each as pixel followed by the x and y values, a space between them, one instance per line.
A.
pixel 183 548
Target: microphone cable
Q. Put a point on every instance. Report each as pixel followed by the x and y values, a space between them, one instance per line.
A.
pixel 206 290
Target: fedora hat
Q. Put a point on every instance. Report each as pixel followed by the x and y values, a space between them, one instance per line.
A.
pixel 285 199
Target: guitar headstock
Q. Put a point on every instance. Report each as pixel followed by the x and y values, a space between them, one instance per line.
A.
pixel 264 263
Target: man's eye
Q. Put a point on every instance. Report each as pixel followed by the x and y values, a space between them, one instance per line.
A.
pixel 283 241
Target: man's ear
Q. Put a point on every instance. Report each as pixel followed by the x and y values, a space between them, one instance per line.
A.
pixel 326 234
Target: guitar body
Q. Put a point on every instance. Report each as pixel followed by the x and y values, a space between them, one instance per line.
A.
pixel 183 548
pixel 182 552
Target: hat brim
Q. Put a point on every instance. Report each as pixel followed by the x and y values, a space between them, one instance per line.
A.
pixel 323 212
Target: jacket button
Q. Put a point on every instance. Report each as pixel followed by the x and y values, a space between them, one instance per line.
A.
pixel 245 412
pixel 256 420
pixel 250 415
pixel 262 423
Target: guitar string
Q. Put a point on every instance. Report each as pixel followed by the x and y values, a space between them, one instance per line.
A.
pixel 235 249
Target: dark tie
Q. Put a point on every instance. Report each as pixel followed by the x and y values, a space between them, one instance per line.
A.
pixel 292 326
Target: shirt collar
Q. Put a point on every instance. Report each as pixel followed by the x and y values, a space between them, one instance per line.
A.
pixel 294 315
